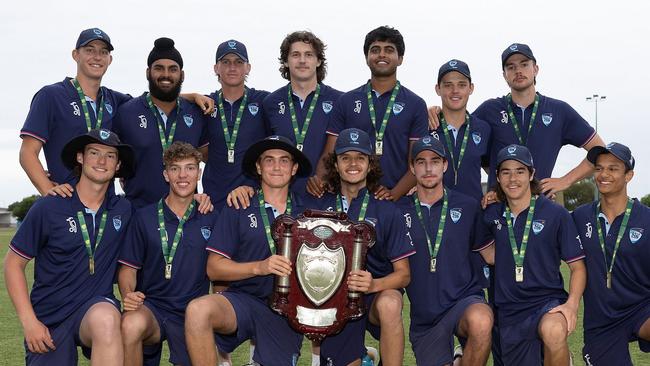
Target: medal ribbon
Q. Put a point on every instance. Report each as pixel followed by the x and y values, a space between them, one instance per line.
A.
pixel 433 250
pixel 165 142
pixel 86 237
pixel 265 218
pixel 300 135
pixel 82 99
pixel 518 255
pixel 621 231
pixel 168 253
pixel 455 164
pixel 362 211
pixel 379 134
pixel 515 124
pixel 231 139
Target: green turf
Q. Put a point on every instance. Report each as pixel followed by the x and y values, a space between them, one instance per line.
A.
pixel 11 338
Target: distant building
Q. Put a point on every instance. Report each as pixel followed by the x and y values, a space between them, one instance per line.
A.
pixel 6 218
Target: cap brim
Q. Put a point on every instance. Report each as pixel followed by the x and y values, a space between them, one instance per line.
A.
pixel 77 144
pixel 110 46
pixel 441 75
pixel 525 163
pixel 596 151
pixel 254 152
pixel 530 57
pixel 343 150
pixel 234 53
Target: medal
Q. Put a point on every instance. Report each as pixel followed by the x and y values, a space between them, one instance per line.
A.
pixel 91 265
pixel 168 271
pixel 86 237
pixel 379 134
pixel 299 146
pixel 231 139
pixel 435 247
pixel 621 231
pixel 379 147
pixel 168 253
pixel 231 156
pixel 298 134
pixel 455 163
pixel 609 279
pixel 519 254
pixel 433 265
pixel 519 273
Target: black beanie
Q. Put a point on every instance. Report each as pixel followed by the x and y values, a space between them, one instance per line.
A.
pixel 163 48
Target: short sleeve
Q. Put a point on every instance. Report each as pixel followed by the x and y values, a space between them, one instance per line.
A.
pixel 336 122
pixel 133 248
pixel 204 139
pixel 420 123
pixel 225 236
pixel 399 243
pixel 570 245
pixel 575 129
pixel 33 232
pixel 39 118
pixel 481 235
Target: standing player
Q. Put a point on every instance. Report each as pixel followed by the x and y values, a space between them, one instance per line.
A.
pixel 76 242
pixel 234 126
pixel 154 120
pixel 301 109
pixel 242 252
pixel 532 235
pixel 165 250
pixel 445 292
pixel 614 232
pixel 353 172
pixel 390 113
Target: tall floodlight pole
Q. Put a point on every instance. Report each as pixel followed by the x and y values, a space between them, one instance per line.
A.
pixel 595 98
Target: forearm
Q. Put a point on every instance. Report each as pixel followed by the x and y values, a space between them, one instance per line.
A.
pixel 577 282
pixel 16 283
pixel 581 171
pixel 488 254
pixel 126 280
pixel 35 171
pixel 220 268
pixel 400 278
pixel 321 171
pixel 403 185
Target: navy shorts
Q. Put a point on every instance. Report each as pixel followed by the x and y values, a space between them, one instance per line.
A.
pixel 520 342
pixel 610 346
pixel 276 343
pixel 172 329
pixel 66 338
pixel 435 346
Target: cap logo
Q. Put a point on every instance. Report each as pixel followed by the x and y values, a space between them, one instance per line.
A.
pixel 513 47
pixel 97 31
pixel 426 140
pixel 512 149
pixel 609 146
pixel 232 44
pixel 354 136
pixel 104 134
pixel 453 63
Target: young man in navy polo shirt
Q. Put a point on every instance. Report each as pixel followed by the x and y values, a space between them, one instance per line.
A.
pixel 353 172
pixel 242 252
pixel 614 233
pixel 445 292
pixel 390 113
pixel 75 242
pixel 301 109
pixel 166 248
pixel 234 126
pixel 154 120
pixel 532 235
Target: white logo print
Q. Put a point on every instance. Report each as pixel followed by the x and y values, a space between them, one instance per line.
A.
pixel 214 113
pixel 73 225
pixel 589 230
pixel 407 218
pixel 282 107
pixel 587 360
pixel 357 106
pixel 253 219
pixel 77 111
pixel 143 121
pixel 504 117
pixel 408 233
pixel 498 224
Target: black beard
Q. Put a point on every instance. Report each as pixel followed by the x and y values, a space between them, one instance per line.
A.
pixel 165 96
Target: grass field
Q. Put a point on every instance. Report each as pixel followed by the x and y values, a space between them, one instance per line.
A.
pixel 11 337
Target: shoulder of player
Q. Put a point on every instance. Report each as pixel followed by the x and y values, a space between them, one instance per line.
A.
pixel 459 199
pixel 256 95
pixel 585 210
pixel 406 93
pixel 329 92
pixel 478 123
pixel 550 208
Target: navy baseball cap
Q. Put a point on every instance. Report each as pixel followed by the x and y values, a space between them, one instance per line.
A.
pixel 620 151
pixel 454 65
pixel 428 143
pixel 353 139
pixel 517 48
pixel 103 137
pixel 92 34
pixel 274 142
pixel 515 152
pixel 232 46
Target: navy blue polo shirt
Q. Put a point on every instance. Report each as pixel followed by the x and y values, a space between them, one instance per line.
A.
pixel 392 242
pixel 142 251
pixel 476 155
pixel 276 112
pixel 221 177
pixel 553 237
pixel 56 116
pixel 432 294
pixel 630 292
pixel 556 124
pixel 239 235
pixel 51 233
pixel 408 122
pixel 137 126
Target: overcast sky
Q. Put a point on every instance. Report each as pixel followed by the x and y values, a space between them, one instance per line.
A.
pixel 582 48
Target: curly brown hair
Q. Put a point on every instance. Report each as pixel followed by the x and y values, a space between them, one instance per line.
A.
pixel 307 37
pixel 535 187
pixel 333 179
pixel 180 150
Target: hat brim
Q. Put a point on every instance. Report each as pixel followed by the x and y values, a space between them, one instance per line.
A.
pixel 530 57
pixel 442 74
pixel 234 53
pixel 525 163
pixel 256 150
pixel 77 144
pixel 110 46
pixel 343 150
pixel 596 151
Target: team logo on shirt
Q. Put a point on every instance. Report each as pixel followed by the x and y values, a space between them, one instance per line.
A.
pixel 455 214
pixel 253 108
pixel 635 234
pixel 504 117
pixel 143 121
pixel 188 120
pixel 486 272
pixel 476 137
pixel 357 106
pixel 282 108
pixel 327 106
pixel 214 113
pixel 117 222
pixel 538 226
pixel 109 108
pixel 253 219
pixel 75 109
pixel 73 225
pixel 206 231
pixel 104 134
pixel 498 224
pixel 547 118
pixel 407 219
pixel 588 230
pixel 398 107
